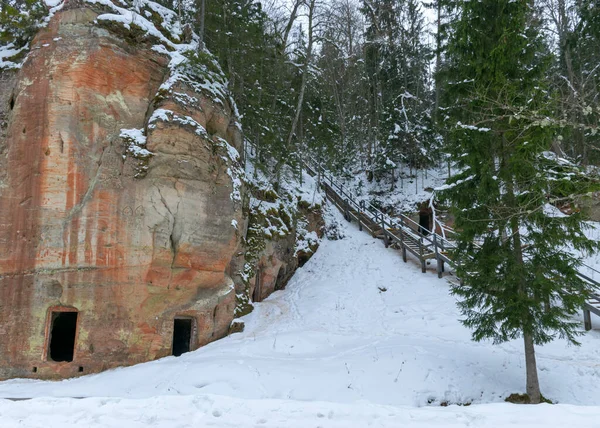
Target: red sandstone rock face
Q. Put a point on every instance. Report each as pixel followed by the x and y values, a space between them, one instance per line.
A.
pixel 79 231
pixel 278 261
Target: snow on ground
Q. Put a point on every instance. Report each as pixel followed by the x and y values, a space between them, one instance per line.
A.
pixel 357 339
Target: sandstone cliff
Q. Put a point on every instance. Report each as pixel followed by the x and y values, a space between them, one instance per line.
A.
pixel 122 194
pixel 119 189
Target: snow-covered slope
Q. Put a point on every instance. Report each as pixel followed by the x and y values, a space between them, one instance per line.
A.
pixel 409 190
pixel 357 339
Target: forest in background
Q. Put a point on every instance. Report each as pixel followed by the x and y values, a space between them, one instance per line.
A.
pixel 370 85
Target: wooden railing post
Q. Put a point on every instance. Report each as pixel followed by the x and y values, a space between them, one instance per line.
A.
pixel 423 267
pixel 385 239
pixel 587 319
pixel 442 248
pixel 347 210
pixel 403 245
pixel 359 218
pixel 438 259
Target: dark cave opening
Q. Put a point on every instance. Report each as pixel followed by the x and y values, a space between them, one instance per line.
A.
pixel 424 224
pixel 62 336
pixel 182 336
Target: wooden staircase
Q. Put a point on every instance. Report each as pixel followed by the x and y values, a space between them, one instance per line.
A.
pixel 404 234
pixel 398 232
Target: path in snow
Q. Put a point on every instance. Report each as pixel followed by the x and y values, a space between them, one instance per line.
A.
pixel 355 326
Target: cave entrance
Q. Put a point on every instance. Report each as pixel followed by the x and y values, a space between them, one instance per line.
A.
pixel 182 336
pixel 424 224
pixel 62 336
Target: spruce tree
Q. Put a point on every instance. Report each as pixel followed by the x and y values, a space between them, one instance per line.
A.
pixel 515 250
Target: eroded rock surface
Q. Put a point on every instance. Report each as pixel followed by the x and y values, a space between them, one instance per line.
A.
pixel 128 242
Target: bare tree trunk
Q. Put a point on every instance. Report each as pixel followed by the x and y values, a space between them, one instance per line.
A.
pixel 533 384
pixel 350 34
pixel 201 23
pixel 299 104
pixel 438 61
pixel 573 101
pixel 311 8
pixel 416 180
pixel 290 25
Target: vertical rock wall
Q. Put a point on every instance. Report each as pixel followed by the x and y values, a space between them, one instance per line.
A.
pixel 129 243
